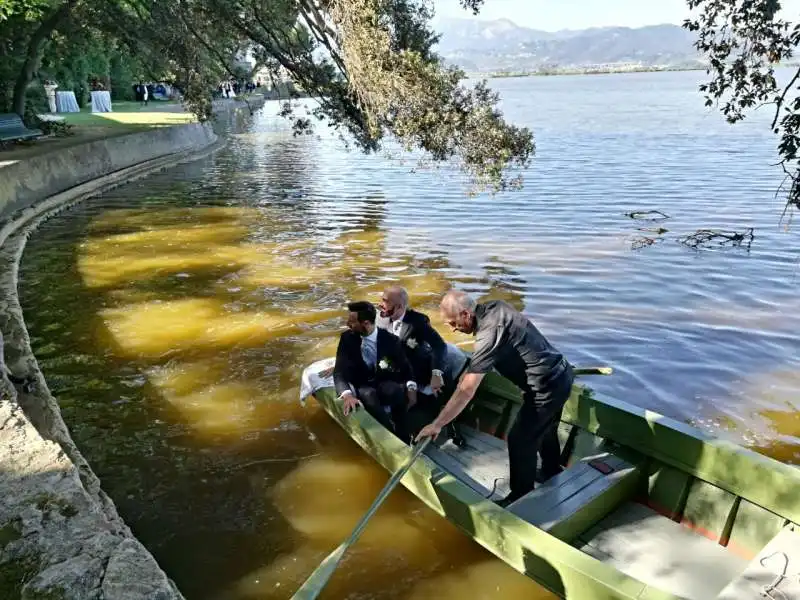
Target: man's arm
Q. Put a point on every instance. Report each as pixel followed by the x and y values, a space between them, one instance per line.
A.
pixel 437 343
pixel 341 368
pixel 458 401
pixel 487 346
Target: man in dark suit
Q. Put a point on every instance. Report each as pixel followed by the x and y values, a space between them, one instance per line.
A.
pixel 425 348
pixel 426 351
pixel 372 370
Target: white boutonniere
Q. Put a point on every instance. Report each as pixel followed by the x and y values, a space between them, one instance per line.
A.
pixel 412 343
pixel 384 364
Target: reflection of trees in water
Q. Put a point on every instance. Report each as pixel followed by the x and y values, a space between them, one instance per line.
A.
pixel 264 165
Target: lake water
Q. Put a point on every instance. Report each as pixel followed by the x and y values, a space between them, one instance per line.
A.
pixel 172 318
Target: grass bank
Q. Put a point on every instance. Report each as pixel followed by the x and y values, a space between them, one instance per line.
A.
pixel 127 117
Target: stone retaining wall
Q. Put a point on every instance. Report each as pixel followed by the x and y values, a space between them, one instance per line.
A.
pixel 28 181
pixel 60 535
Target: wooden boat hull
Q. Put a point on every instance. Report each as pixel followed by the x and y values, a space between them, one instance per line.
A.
pixel 737 500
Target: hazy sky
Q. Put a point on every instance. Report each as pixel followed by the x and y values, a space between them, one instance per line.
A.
pixel 552 15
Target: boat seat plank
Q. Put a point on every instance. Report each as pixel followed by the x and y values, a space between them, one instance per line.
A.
pixel 776 569
pixel 662 553
pixel 578 496
pixel 479 439
pixel 482 464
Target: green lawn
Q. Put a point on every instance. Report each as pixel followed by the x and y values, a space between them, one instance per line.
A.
pixel 128 117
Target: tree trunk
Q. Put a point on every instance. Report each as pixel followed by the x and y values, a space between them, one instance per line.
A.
pixel 33 56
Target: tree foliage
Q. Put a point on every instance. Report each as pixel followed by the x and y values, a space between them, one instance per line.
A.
pixel 744 41
pixel 369 64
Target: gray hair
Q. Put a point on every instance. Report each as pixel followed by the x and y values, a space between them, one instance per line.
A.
pixel 455 301
pixel 402 294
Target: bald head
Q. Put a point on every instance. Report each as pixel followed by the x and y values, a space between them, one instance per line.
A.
pixel 455 301
pixel 394 302
pixel 458 310
pixel 398 294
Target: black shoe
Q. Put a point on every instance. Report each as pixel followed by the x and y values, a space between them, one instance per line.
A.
pixel 455 435
pixel 542 477
pixel 512 497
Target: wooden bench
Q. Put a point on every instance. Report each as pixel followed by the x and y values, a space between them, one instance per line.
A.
pixel 579 496
pixel 12 128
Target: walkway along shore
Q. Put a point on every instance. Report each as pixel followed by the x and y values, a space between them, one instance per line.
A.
pixel 60 534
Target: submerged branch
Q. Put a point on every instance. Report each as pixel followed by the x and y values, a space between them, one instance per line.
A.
pixel 707 237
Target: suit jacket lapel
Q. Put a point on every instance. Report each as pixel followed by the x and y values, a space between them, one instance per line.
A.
pixel 382 333
pixel 405 329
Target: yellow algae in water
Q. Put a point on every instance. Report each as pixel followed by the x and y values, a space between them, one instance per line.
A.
pixel 149 217
pixel 154 328
pixel 280 579
pixel 422 288
pixel 285 275
pixel 487 580
pixel 214 406
pixel 325 348
pixel 166 239
pixel 99 268
pixel 181 378
pixel 325 497
pixel 219 408
pixel 776 387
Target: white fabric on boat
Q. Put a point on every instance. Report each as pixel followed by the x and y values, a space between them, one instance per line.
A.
pixel 319 375
pixel 315 377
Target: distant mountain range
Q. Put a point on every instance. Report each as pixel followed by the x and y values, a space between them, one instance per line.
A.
pixel 482 46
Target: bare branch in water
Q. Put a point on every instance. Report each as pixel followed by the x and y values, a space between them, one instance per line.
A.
pixel 648 215
pixel 707 237
pixel 642 241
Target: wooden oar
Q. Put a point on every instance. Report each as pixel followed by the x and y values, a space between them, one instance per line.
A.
pixel 593 370
pixel 312 586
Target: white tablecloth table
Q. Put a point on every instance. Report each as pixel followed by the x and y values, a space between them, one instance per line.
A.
pixel 66 102
pixel 101 101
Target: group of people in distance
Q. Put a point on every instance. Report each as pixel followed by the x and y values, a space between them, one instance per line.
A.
pixel 396 367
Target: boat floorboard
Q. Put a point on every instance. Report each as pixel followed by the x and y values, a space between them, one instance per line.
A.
pixel 776 570
pixel 662 553
pixel 482 463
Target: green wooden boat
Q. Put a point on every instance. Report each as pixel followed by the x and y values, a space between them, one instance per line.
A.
pixel 646 507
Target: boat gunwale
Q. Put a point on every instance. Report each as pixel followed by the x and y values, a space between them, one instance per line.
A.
pixel 745 473
pixel 507 536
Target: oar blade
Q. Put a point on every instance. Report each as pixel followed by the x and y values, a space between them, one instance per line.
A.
pixel 316 582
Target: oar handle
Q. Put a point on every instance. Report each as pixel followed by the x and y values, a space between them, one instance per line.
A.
pixel 593 370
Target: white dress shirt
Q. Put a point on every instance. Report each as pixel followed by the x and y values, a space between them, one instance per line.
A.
pixel 396 324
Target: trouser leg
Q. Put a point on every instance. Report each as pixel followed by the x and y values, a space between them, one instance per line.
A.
pixel 393 395
pixel 452 429
pixel 422 413
pixel 368 396
pixel 534 432
pixel 523 446
pixel 553 399
pixel 550 452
